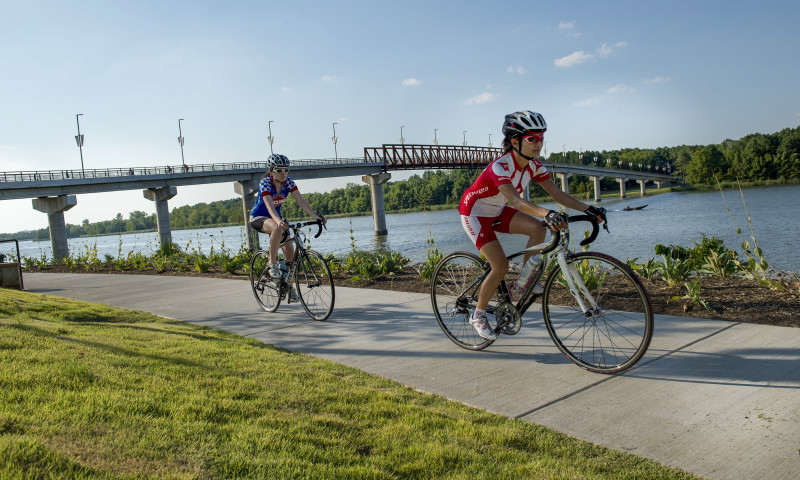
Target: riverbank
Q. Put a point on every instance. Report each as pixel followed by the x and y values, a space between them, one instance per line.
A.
pixel 733 299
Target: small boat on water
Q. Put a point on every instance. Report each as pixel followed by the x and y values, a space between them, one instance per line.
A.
pixel 628 208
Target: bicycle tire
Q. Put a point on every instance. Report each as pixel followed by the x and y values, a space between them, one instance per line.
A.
pixel 454 295
pixel 314 284
pixel 265 288
pixel 612 338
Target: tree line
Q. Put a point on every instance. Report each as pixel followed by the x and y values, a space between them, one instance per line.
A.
pixel 752 158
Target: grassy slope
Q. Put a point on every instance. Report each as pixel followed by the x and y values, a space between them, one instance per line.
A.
pixel 91 391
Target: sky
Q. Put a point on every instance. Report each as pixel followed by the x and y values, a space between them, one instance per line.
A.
pixel 605 75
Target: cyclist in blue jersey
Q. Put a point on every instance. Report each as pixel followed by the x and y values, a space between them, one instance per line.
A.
pixel 265 216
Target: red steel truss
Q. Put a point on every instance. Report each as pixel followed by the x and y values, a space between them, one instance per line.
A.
pixel 410 157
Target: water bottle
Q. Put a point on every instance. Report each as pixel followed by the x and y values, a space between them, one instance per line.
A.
pixel 530 268
pixel 282 264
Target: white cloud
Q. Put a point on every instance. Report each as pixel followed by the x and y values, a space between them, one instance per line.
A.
pixel 286 89
pixel 408 82
pixel 574 58
pixel 621 44
pixel 517 70
pixel 653 81
pixel 620 88
pixel 587 102
pixel 562 25
pixel 328 78
pixel 604 50
pixel 341 119
pixel 482 98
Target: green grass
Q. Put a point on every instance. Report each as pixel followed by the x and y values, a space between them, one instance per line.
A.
pixel 91 391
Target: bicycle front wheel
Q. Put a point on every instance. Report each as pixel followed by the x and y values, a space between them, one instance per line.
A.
pixel 611 331
pixel 455 285
pixel 315 285
pixel 266 289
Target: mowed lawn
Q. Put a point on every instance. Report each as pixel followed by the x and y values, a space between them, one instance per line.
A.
pixel 91 391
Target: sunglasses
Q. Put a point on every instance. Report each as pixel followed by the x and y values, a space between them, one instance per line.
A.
pixel 280 170
pixel 534 138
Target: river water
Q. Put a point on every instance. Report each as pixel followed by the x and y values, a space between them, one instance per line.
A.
pixel 669 218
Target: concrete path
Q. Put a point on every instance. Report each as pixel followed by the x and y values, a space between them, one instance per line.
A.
pixel 718 399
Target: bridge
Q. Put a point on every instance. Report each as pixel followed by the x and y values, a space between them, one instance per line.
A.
pixel 54 191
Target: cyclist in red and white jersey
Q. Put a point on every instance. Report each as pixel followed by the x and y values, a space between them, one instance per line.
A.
pixel 494 203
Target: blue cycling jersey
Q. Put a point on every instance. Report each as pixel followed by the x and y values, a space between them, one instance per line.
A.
pixel 265 187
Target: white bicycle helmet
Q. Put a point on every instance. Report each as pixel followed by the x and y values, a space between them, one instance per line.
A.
pixel 522 122
pixel 277 160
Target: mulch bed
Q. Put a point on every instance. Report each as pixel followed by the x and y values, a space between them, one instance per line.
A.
pixel 732 299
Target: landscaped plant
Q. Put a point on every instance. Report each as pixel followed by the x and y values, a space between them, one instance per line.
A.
pixel 675 271
pixel 693 294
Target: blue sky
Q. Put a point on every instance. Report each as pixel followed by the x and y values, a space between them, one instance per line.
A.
pixel 605 75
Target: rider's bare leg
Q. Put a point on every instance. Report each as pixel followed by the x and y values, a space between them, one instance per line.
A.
pixel 524 224
pixel 494 253
pixel 274 240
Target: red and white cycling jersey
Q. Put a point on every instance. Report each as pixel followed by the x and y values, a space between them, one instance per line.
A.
pixel 483 197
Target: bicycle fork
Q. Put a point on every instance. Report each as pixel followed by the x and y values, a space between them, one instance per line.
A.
pixel 577 287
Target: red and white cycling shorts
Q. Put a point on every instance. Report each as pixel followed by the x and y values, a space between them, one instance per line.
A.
pixel 481 230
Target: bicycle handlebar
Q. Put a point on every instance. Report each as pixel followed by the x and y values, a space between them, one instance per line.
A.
pixel 577 218
pixel 318 223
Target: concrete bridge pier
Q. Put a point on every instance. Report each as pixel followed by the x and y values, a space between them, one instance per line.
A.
pixel 658 184
pixel 55 207
pixel 248 190
pixel 596 182
pixel 641 187
pixel 375 182
pixel 564 177
pixel 622 187
pixel 160 196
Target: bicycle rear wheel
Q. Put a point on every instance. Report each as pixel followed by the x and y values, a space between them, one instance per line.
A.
pixel 315 285
pixel 266 289
pixel 612 336
pixel 455 285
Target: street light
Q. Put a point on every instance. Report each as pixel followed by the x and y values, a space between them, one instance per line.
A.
pixel 402 140
pixel 490 140
pixel 79 139
pixel 180 142
pixel 630 165
pixel 620 164
pixel 435 139
pixel 595 160
pixel 465 138
pixel 335 151
pixel 270 138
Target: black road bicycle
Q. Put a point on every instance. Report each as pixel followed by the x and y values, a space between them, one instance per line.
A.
pixel 309 274
pixel 595 308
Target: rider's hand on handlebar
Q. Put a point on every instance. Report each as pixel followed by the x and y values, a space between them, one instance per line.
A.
pixel 556 220
pixel 321 218
pixel 598 213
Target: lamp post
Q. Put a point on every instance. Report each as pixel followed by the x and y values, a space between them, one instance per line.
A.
pixel 630 165
pixel 270 138
pixel 335 151
pixel 79 139
pixel 595 160
pixel 465 138
pixel 402 140
pixel 435 139
pixel 180 142
pixel 490 140
pixel 640 167
pixel 620 164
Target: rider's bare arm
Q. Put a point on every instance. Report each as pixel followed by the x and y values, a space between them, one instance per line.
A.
pixel 303 203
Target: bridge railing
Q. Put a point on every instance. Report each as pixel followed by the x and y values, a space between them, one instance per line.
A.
pixel 39 175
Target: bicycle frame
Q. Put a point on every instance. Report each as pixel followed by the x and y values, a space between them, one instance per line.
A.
pixel 556 249
pixel 298 237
